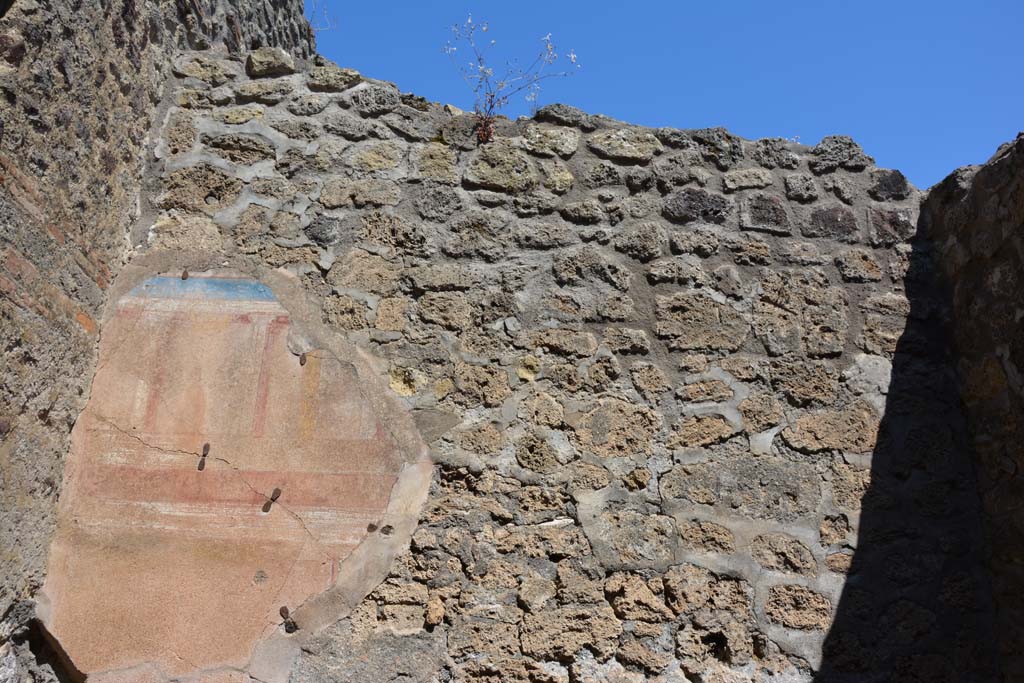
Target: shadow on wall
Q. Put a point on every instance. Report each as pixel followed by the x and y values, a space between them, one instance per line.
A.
pixel 917 603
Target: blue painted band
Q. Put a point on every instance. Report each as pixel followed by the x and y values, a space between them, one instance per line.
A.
pixel 163 287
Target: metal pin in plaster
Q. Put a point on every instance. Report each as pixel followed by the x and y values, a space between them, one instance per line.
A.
pixel 286 619
pixel 274 495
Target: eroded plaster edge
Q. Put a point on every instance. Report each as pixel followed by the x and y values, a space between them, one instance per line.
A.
pixel 368 565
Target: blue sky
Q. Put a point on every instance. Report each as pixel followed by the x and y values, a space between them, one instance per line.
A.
pixel 924 87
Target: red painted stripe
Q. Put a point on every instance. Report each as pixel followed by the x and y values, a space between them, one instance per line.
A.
pixel 274 329
pixel 169 335
pixel 351 492
pixel 153 398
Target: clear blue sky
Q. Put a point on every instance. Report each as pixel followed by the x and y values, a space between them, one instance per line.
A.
pixel 924 87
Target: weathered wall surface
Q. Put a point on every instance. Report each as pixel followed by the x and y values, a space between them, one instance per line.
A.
pixel 668 377
pixel 79 84
pixel 690 397
pixel 975 219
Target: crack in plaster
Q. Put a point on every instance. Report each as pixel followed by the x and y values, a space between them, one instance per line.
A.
pixel 234 468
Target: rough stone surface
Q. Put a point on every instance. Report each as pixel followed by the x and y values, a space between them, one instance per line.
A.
pixel 562 633
pixel 798 607
pixel 973 218
pixel 853 429
pixel 331 78
pixel 501 167
pixel 713 369
pixel 625 145
pixel 784 554
pixel 269 61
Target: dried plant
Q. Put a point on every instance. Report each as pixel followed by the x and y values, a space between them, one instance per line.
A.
pixel 491 92
pixel 318 18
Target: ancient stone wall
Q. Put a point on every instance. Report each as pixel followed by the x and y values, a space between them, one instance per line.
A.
pixel 691 399
pixel 80 82
pixel 682 424
pixel 975 218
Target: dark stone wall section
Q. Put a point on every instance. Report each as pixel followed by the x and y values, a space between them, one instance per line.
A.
pixel 975 220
